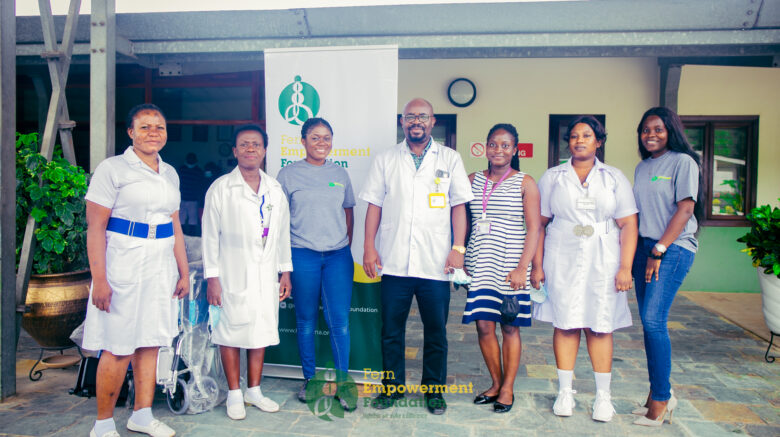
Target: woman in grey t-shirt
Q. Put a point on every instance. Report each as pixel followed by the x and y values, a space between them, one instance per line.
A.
pixel 667 188
pixel 321 201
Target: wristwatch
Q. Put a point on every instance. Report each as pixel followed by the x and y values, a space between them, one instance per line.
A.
pixel 460 249
pixel 660 248
pixel 654 256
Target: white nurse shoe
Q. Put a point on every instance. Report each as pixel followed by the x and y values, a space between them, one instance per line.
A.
pixel 154 429
pixel 603 410
pixel 263 403
pixel 564 404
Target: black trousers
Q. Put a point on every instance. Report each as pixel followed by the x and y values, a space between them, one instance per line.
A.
pixel 433 300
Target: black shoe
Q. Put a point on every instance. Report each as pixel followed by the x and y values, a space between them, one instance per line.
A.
pixel 485 399
pixel 385 400
pixel 344 404
pixel 435 403
pixel 302 391
pixel 498 407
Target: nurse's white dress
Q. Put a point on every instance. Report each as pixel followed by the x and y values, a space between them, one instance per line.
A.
pixel 580 269
pixel 142 272
pixel 233 251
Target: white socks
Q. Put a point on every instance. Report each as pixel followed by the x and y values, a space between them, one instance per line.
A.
pixel 142 417
pixel 602 381
pixel 254 392
pixel 235 397
pixel 104 426
pixel 564 379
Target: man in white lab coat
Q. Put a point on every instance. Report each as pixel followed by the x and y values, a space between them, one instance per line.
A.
pixel 417 194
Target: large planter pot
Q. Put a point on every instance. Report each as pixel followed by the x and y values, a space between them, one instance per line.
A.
pixel 770 297
pixel 57 305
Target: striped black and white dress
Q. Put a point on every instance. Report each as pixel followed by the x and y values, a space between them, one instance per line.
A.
pixel 490 257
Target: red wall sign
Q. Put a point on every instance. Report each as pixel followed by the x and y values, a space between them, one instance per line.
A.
pixel 525 150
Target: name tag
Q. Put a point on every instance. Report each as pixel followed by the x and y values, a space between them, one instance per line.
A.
pixel 437 200
pixel 483 226
pixel 586 204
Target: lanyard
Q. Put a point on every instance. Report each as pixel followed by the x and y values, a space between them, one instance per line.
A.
pixel 262 217
pixel 486 195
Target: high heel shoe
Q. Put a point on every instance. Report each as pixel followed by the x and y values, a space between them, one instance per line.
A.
pixel 642 411
pixel 485 399
pixel 670 406
pixel 498 407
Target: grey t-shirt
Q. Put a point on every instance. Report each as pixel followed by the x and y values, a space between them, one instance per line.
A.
pixel 659 183
pixel 317 196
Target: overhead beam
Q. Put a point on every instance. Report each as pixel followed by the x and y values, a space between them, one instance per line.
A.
pixel 7 199
pixel 102 81
pixel 613 43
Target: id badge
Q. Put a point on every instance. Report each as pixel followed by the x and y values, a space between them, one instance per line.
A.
pixel 483 226
pixel 437 200
pixel 586 204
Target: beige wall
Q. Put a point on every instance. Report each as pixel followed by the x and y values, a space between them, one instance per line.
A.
pixel 709 90
pixel 525 92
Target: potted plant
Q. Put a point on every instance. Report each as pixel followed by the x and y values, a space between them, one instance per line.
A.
pixel 52 192
pixel 763 245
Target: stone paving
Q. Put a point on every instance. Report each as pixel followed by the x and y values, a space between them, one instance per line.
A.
pixel 724 385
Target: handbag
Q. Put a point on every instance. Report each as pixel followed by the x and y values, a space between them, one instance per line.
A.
pixel 510 308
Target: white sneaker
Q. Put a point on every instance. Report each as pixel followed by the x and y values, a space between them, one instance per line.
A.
pixel 263 403
pixel 603 410
pixel 113 433
pixel 155 428
pixel 564 404
pixel 236 411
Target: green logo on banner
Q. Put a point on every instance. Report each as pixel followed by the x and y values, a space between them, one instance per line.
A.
pixel 298 102
pixel 322 404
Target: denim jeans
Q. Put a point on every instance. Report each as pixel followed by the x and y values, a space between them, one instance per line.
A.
pixel 655 299
pixel 326 276
pixel 433 301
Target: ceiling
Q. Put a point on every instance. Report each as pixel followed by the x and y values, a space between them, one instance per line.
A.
pixel 658 28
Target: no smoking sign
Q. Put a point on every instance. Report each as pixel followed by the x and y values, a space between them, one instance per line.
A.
pixel 524 150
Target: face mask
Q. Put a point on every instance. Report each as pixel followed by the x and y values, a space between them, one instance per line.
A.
pixel 207 173
pixel 191 165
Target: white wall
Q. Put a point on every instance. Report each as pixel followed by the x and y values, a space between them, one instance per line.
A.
pixel 525 92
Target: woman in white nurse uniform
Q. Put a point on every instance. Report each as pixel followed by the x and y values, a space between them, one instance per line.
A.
pixel 139 265
pixel 585 255
pixel 246 246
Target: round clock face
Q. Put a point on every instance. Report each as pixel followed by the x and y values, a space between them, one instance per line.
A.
pixel 462 92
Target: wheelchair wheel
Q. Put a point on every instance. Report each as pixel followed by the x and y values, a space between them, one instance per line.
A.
pixel 179 401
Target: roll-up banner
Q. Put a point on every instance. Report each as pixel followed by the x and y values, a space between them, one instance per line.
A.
pixel 356 90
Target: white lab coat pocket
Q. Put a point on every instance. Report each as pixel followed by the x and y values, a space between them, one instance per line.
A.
pixel 235 311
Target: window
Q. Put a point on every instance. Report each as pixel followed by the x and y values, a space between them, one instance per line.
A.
pixel 728 147
pixel 558 148
pixel 443 131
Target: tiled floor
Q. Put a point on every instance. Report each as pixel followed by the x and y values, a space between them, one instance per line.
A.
pixel 724 385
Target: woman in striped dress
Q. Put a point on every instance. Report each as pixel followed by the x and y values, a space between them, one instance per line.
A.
pixel 504 229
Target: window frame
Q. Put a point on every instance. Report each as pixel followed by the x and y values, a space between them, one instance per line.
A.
pixel 710 123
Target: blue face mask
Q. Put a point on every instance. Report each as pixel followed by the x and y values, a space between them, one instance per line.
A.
pixel 207 173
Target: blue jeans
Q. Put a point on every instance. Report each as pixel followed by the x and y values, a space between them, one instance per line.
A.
pixel 655 299
pixel 327 276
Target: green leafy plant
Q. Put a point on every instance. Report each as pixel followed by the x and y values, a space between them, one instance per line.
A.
pixel 763 239
pixel 53 193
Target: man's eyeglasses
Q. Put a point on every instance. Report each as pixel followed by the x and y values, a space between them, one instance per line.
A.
pixel 411 117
